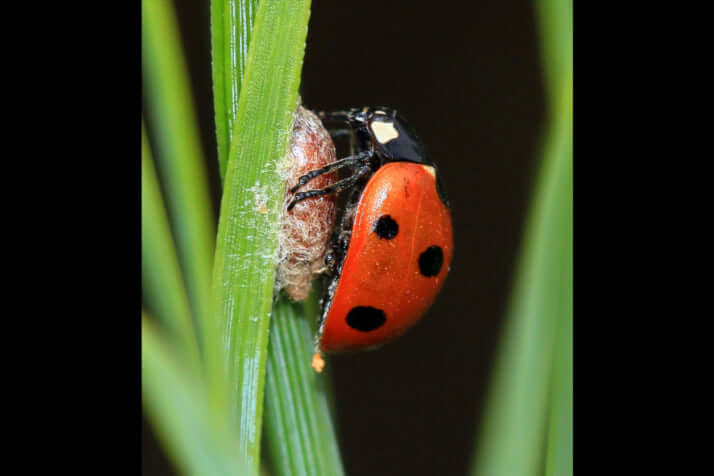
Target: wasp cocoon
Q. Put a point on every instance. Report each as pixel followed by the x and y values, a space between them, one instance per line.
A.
pixel 306 230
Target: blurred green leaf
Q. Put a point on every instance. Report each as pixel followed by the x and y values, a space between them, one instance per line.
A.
pixel 244 271
pixel 298 424
pixel 513 432
pixel 178 150
pixel 198 440
pixel 559 454
pixel 162 284
pixel 527 422
pixel 556 19
pixel 556 36
pixel 231 27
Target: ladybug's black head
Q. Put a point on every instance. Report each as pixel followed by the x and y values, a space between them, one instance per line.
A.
pixel 396 141
pixel 393 139
pixel 387 136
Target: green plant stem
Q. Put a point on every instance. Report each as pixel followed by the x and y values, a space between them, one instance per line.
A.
pixel 231 28
pixel 162 284
pixel 244 270
pixel 299 430
pixel 179 151
pixel 198 440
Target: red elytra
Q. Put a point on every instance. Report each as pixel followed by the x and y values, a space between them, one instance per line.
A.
pixel 398 258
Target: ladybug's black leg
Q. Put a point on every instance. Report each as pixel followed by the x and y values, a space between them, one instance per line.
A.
pixel 338 164
pixel 334 188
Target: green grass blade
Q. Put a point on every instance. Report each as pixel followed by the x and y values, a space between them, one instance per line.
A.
pixel 513 431
pixel 556 22
pixel 298 425
pixel 244 270
pixel 528 417
pixel 179 151
pixel 556 36
pixel 231 27
pixel 559 453
pixel 290 337
pixel 512 434
pixel 196 438
pixel 162 284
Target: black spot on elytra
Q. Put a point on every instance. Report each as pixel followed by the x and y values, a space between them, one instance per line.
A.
pixel 431 261
pixel 366 318
pixel 386 227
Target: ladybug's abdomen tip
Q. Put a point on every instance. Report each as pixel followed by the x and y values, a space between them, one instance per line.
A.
pixel 318 363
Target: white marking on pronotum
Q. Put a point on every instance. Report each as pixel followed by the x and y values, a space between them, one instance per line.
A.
pixel 384 131
pixel 430 170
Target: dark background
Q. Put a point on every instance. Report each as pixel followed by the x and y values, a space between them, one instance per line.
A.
pixel 467 77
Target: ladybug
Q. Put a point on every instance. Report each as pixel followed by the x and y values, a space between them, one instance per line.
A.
pixel 392 250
